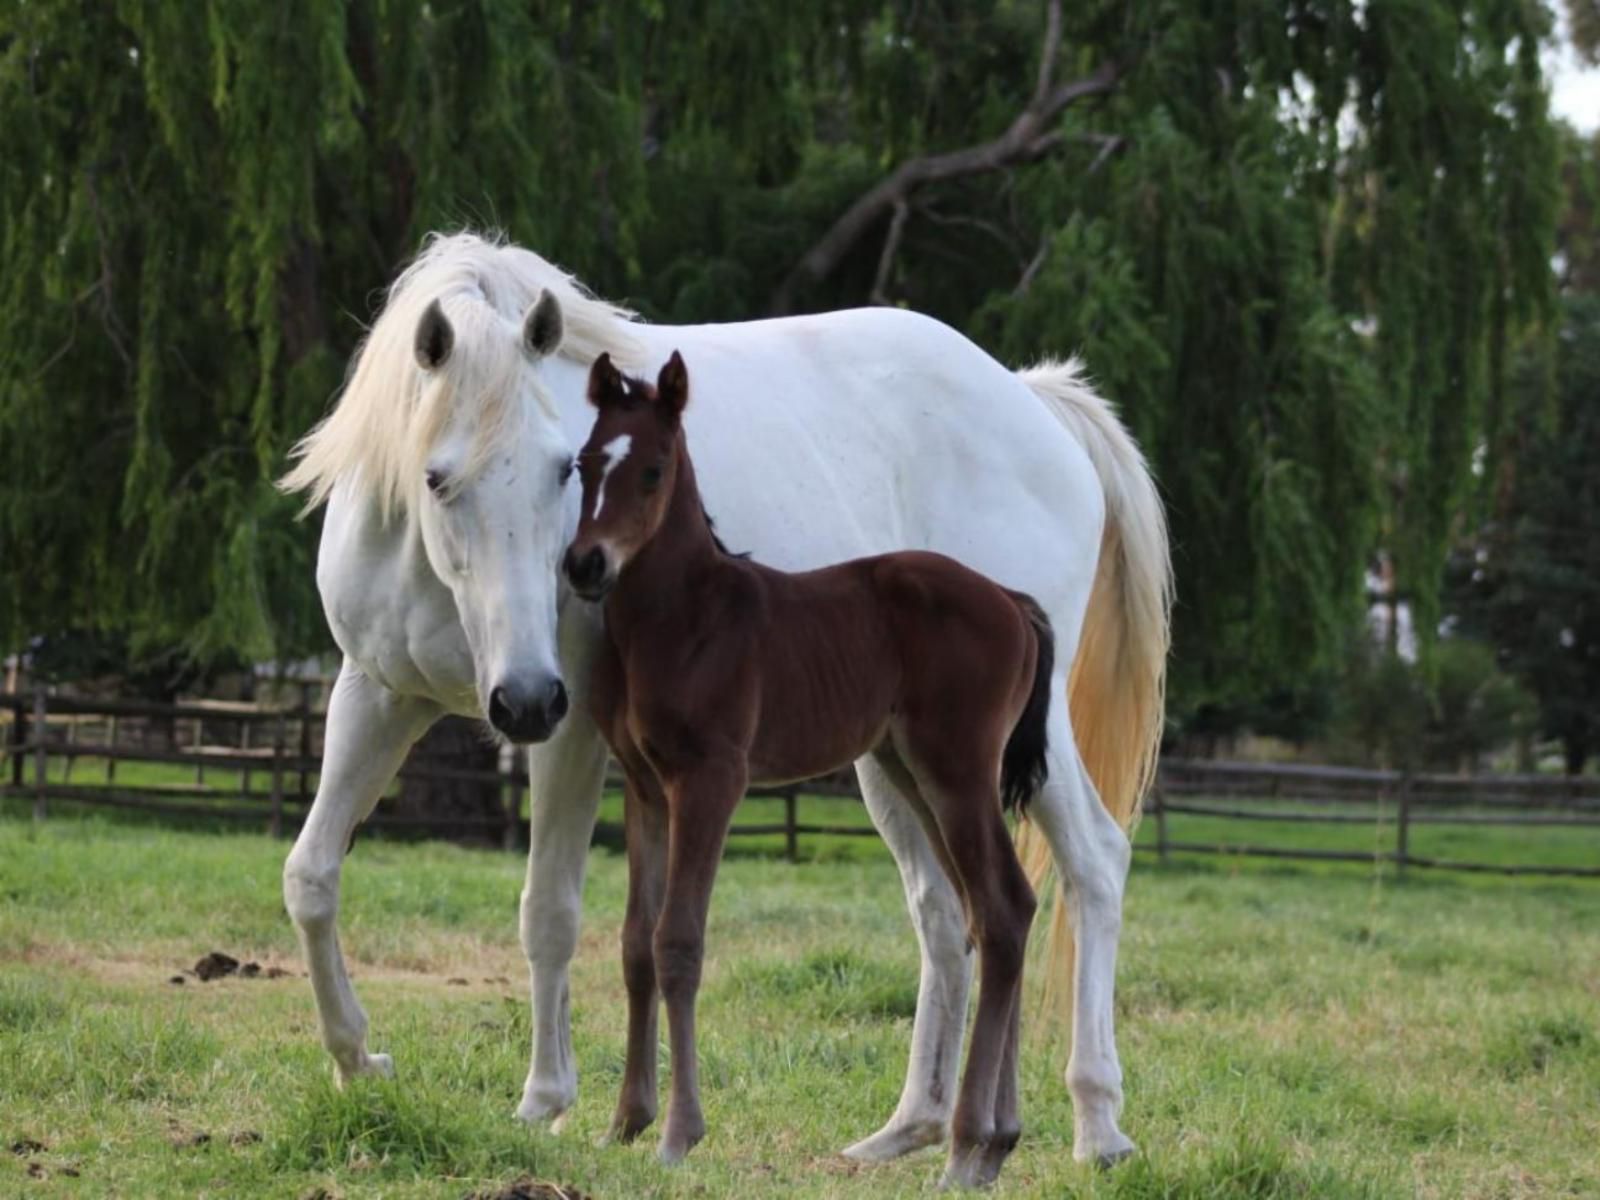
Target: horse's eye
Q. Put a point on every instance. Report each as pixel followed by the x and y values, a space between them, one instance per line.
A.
pixel 651 479
pixel 566 472
pixel 436 481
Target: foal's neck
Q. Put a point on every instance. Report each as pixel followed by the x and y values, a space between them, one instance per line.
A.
pixel 681 544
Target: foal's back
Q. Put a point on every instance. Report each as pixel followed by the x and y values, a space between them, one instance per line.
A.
pixel 840 656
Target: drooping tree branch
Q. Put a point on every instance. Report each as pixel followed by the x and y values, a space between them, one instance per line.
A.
pixel 1030 136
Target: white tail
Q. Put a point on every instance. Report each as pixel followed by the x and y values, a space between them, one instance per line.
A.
pixel 1116 691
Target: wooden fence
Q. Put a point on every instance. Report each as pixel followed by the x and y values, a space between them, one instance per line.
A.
pixel 276 752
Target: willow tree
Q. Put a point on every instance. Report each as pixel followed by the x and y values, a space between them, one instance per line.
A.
pixel 199 205
pixel 1290 240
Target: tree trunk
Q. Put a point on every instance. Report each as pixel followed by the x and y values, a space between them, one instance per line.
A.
pixel 459 809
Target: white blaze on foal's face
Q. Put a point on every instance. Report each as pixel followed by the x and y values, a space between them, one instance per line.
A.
pixel 614 451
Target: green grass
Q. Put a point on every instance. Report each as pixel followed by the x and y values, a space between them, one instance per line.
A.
pixel 1286 1031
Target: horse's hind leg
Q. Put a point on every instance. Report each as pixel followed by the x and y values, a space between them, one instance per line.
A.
pixel 646 820
pixel 369 731
pixel 1091 852
pixel 922 1117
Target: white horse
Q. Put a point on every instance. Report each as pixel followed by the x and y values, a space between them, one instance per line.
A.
pixel 446 468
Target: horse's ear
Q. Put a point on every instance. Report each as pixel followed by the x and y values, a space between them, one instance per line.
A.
pixel 605 383
pixel 672 387
pixel 435 338
pixel 542 327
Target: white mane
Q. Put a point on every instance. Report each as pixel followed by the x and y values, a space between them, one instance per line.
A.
pixel 387 418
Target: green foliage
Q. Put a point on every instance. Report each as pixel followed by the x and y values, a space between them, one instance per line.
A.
pixel 1449 714
pixel 1530 580
pixel 1295 267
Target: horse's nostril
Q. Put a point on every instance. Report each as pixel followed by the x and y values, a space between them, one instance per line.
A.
pixel 500 711
pixel 556 706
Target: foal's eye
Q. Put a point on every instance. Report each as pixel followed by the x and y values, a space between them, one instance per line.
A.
pixel 566 472
pixel 651 479
pixel 436 481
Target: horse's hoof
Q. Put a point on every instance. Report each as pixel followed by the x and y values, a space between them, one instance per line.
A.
pixel 894 1140
pixel 1109 1155
pixel 369 1064
pixel 537 1109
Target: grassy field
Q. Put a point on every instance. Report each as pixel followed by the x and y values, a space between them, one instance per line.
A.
pixel 1286 1032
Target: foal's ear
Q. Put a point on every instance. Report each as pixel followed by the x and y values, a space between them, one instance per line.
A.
pixel 542 327
pixel 435 338
pixel 605 383
pixel 672 387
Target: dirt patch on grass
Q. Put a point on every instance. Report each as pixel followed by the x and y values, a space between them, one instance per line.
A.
pixel 525 1187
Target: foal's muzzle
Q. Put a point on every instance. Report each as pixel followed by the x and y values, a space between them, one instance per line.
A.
pixel 589 574
pixel 528 716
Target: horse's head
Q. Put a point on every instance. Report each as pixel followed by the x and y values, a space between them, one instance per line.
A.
pixel 490 474
pixel 629 467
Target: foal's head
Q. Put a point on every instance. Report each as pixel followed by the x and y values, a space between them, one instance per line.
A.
pixel 628 467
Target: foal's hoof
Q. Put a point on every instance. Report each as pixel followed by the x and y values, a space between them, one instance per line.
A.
pixel 676 1144
pixel 896 1139
pixel 966 1174
pixel 624 1130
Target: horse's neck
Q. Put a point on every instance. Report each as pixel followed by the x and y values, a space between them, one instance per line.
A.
pixel 656 578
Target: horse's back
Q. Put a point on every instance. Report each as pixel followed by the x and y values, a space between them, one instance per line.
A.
pixel 845 434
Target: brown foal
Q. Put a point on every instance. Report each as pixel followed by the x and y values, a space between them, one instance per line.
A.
pixel 720 672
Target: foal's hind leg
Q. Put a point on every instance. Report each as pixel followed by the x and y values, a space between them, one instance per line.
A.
pixel 646 819
pixel 1007 1099
pixel 922 1117
pixel 960 798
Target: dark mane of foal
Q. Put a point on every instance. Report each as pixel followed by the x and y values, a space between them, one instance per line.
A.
pixel 716 540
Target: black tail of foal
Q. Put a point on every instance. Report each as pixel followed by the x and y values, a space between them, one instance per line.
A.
pixel 1022 768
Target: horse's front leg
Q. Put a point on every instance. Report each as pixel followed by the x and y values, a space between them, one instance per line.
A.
pixel 565 777
pixel 369 731
pixel 922 1117
pixel 701 805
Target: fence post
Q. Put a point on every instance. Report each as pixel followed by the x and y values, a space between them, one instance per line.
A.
pixel 278 739
pixel 1402 824
pixel 304 713
pixel 791 835
pixel 508 835
pixel 41 758
pixel 111 745
pixel 1161 824
pixel 197 735
pixel 19 740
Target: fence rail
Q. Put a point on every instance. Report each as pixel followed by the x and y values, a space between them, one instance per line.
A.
pixel 277 746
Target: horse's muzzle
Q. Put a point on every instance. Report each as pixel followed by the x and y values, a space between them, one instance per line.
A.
pixel 529 717
pixel 589 574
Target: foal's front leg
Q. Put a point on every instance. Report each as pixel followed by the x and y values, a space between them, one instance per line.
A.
pixel 700 804
pixel 646 820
